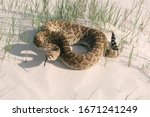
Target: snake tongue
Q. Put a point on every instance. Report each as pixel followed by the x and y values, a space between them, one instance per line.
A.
pixel 46 58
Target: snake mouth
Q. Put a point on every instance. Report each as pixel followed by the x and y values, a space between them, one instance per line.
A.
pixel 49 58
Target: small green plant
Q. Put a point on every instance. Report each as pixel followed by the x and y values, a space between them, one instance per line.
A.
pixel 69 10
pixel 130 56
pixel 146 69
pixel 1 34
pixel 145 20
pixel 103 12
pixel 13 24
pixel 8 44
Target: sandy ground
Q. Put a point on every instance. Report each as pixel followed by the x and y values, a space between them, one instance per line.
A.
pixel 31 80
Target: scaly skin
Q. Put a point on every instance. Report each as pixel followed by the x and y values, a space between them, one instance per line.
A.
pixel 57 37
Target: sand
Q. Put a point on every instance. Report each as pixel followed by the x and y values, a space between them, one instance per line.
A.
pixel 25 77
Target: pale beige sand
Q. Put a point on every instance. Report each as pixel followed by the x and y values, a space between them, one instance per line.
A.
pixel 31 80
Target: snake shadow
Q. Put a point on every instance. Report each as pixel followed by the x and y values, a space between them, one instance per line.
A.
pixel 29 54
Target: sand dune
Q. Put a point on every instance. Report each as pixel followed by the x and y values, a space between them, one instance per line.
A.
pixel 25 77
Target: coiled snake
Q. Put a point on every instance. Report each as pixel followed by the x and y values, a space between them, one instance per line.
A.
pixel 57 37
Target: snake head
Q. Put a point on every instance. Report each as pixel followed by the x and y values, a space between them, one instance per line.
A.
pixel 52 52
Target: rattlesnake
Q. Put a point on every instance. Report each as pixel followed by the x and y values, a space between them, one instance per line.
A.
pixel 57 37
